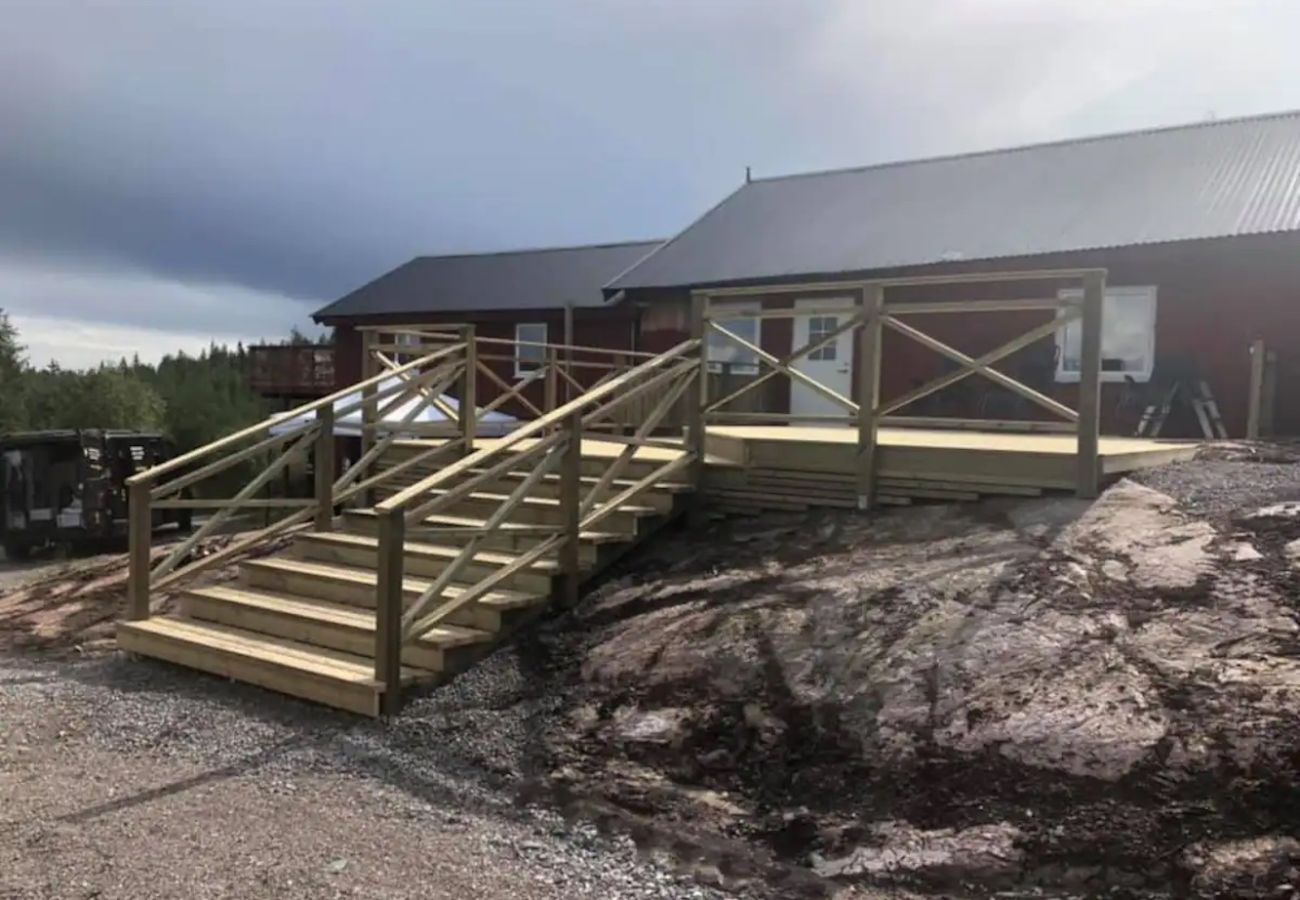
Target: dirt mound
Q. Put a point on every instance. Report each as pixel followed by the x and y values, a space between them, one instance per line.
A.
pixel 71 605
pixel 1024 695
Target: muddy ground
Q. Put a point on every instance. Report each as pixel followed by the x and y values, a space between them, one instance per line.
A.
pixel 1017 698
pixel 1020 697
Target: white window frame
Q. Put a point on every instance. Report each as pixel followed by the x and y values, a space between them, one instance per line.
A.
pixel 527 365
pixel 730 349
pixel 1072 333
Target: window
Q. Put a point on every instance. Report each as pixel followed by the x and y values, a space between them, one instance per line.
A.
pixel 1128 336
pixel 529 354
pixel 722 350
pixel 819 328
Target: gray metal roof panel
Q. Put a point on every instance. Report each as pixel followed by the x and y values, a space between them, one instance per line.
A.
pixel 517 279
pixel 1212 179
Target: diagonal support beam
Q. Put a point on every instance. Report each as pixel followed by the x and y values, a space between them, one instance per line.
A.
pixel 982 365
pixel 785 363
pixel 832 395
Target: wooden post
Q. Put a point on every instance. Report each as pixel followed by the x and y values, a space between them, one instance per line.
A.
pixel 869 332
pixel 569 343
pixel 1268 396
pixel 696 400
pixel 570 500
pixel 325 468
pixel 469 389
pixel 370 407
pixel 1089 475
pixel 140 535
pixel 1256 399
pixel 551 393
pixel 388 609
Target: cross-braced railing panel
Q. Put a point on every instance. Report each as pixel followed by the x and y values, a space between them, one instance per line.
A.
pixel 548 446
pixel 195 479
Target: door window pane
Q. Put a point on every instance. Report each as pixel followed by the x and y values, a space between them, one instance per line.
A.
pixel 818 328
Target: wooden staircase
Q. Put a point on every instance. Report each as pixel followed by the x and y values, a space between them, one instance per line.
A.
pixel 460 542
pixel 303 622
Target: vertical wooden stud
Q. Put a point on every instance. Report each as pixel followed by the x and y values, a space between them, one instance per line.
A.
pixel 1089 474
pixel 1254 410
pixel 868 380
pixel 370 407
pixel 139 536
pixel 570 501
pixel 388 609
pixel 569 343
pixel 696 400
pixel 469 389
pixel 324 455
pixel 551 394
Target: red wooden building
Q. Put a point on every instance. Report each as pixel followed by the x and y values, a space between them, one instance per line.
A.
pixel 1198 227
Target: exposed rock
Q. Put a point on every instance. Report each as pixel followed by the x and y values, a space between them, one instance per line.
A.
pixel 985 853
pixel 1266 866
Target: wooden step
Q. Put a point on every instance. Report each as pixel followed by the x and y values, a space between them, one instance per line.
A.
pixel 355 586
pixel 543 510
pixel 320 623
pixel 593 464
pixel 336 679
pixel 661 496
pixel 509 536
pixel 426 559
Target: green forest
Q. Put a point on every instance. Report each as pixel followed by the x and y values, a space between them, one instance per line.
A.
pixel 191 399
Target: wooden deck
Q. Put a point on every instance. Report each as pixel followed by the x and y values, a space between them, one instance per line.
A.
pixel 805 465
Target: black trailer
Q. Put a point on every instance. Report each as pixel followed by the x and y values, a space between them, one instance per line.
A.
pixel 69 487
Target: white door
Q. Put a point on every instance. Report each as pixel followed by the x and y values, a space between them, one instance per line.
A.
pixel 831 366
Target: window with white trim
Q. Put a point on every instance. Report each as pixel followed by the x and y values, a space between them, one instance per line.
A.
pixel 722 350
pixel 529 354
pixel 1128 336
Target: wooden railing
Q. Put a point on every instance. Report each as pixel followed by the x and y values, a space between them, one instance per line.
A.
pixel 548 444
pixel 866 313
pixel 277 443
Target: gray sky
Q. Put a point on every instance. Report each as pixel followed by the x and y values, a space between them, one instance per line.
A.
pixel 174 172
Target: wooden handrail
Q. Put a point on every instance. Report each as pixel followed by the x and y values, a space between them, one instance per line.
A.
pixel 148 476
pixel 537 426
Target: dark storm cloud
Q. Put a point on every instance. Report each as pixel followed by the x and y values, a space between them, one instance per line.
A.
pixel 260 151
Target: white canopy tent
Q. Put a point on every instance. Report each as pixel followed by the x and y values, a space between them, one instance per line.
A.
pixel 493 424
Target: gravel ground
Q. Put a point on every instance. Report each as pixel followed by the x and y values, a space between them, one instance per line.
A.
pixel 1229 479
pixel 128 779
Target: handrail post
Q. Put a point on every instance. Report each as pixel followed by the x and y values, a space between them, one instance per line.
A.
pixel 1089 475
pixel 139 535
pixel 696 400
pixel 869 334
pixel 325 468
pixel 551 389
pixel 370 406
pixel 468 389
pixel 388 608
pixel 570 501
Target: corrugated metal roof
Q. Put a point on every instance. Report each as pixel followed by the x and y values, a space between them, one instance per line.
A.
pixel 1212 179
pixel 516 279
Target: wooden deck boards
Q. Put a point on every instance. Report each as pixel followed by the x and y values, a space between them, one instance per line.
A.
pixel 786 461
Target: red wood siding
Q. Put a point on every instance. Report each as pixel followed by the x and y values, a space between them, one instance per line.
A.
pixel 1213 299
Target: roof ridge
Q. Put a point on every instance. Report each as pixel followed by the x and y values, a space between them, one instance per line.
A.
pixel 555 249
pixel 1059 142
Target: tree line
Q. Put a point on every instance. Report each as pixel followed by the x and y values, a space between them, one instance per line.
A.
pixel 191 399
